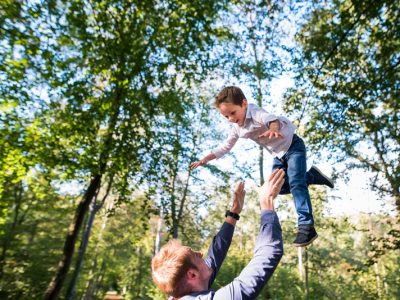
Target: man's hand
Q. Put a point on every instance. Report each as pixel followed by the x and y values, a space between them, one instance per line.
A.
pixel 238 198
pixel 271 134
pixel 271 189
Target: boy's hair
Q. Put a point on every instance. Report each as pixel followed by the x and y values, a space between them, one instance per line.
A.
pixel 229 94
pixel 169 267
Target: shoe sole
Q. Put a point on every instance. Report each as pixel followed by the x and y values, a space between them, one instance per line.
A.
pixel 306 244
pixel 326 177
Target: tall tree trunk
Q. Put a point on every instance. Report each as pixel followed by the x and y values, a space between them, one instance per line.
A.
pixel 306 271
pixel 261 164
pixel 260 104
pixel 300 260
pixel 303 267
pixel 57 281
pixel 182 201
pixel 81 253
pixel 94 208
pixel 259 95
pixel 92 282
pixel 156 227
pixel 184 194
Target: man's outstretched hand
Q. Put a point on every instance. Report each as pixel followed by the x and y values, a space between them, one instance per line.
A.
pixel 238 198
pixel 270 189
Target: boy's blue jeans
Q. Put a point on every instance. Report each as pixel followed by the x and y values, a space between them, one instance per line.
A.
pixel 295 163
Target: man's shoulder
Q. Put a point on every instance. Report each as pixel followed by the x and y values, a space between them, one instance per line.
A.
pixel 206 295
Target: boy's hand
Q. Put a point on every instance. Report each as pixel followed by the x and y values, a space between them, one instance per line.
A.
pixel 203 161
pixel 197 164
pixel 271 134
pixel 238 198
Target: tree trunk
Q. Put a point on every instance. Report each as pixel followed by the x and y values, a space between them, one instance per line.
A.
pixel 306 271
pixel 300 259
pixel 156 231
pixel 94 208
pixel 261 164
pixel 259 97
pixel 81 253
pixel 303 267
pixel 57 281
pixel 92 282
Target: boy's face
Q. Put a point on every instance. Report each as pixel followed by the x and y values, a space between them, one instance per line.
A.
pixel 234 113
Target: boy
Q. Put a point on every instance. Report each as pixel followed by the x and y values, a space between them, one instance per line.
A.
pixel 276 134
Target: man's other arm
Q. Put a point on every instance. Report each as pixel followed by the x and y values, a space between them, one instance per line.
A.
pixel 267 254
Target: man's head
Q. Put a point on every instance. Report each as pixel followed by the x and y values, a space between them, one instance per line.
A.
pixel 177 270
pixel 232 104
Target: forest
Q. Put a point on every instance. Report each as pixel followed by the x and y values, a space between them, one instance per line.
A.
pixel 104 104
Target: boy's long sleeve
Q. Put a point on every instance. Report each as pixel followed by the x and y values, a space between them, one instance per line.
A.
pixel 260 116
pixel 256 123
pixel 228 143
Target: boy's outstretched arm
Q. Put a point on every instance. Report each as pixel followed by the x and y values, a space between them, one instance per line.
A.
pixel 203 161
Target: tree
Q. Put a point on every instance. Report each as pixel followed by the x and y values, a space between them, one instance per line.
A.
pixel 347 88
pixel 179 138
pixel 104 69
pixel 34 235
pixel 255 52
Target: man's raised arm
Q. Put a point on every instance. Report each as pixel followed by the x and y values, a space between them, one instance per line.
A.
pixel 268 249
pixel 222 241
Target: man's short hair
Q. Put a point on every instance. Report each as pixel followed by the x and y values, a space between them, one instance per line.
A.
pixel 169 268
pixel 230 94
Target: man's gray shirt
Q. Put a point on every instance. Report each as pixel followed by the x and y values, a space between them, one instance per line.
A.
pixel 267 254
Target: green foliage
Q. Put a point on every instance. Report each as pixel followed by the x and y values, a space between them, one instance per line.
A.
pixel 121 89
pixel 34 231
pixel 347 86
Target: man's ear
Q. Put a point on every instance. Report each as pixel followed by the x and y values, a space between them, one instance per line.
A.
pixel 192 274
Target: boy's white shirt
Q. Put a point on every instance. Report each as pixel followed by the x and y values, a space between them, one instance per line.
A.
pixel 257 122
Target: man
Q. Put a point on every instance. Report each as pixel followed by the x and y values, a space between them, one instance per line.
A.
pixel 182 273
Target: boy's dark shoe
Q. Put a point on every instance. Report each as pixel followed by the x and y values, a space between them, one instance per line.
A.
pixel 306 234
pixel 320 178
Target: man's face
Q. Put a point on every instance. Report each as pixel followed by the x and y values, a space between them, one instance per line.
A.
pixel 204 271
pixel 234 113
